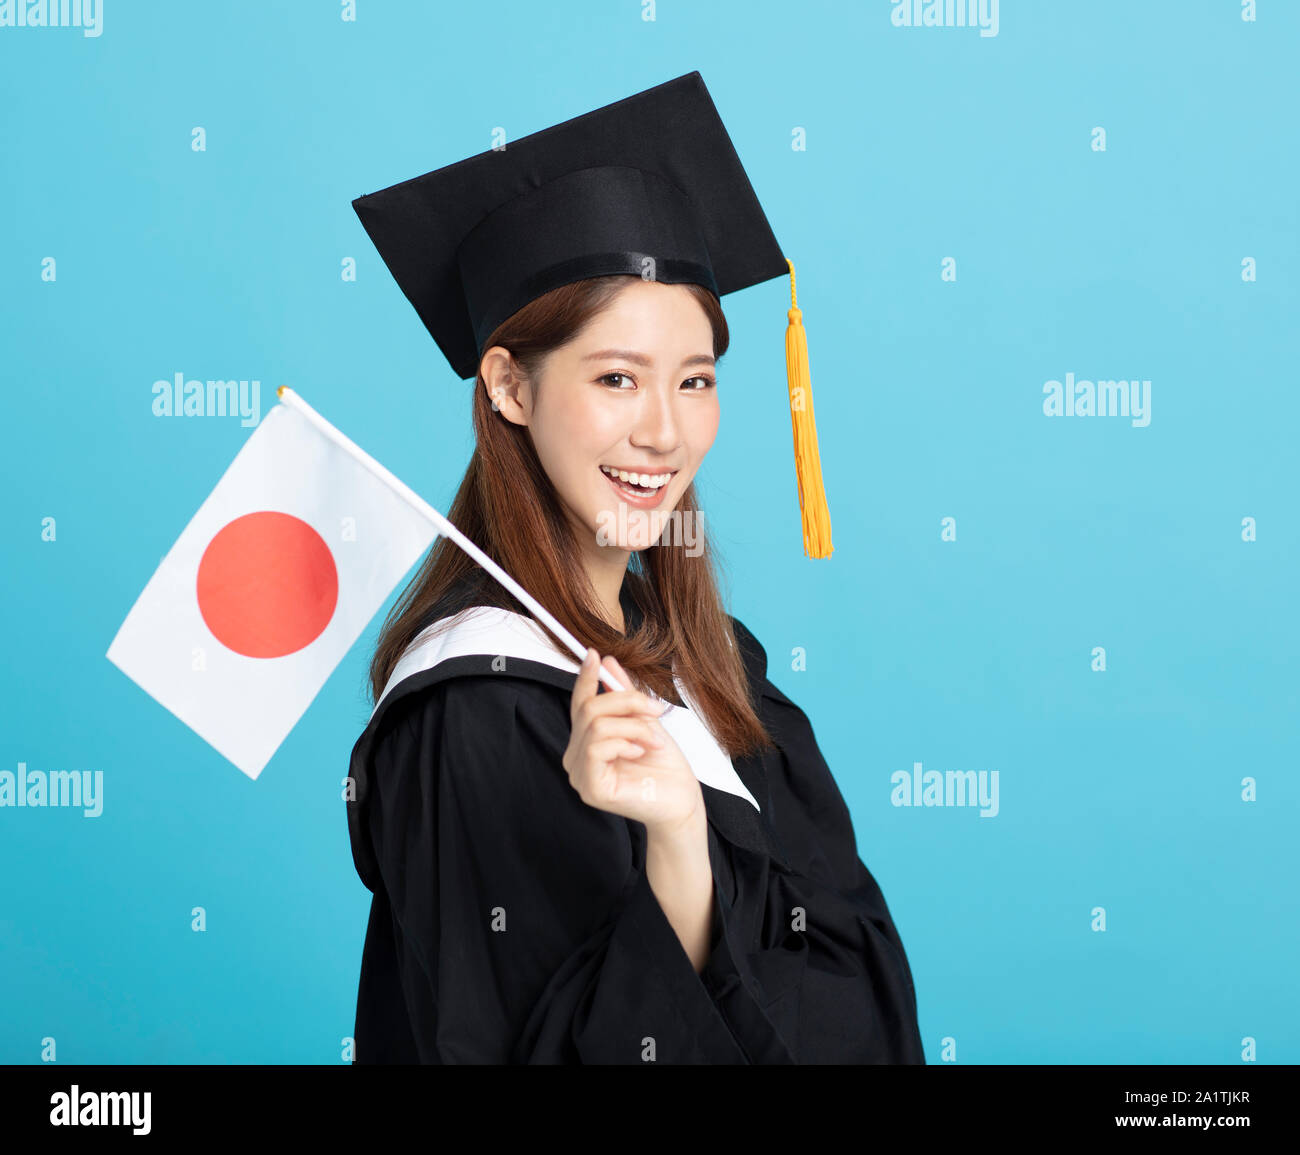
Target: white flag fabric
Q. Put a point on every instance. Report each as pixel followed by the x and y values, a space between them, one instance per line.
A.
pixel 268 587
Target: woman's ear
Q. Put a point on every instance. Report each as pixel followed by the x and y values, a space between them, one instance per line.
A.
pixel 506 387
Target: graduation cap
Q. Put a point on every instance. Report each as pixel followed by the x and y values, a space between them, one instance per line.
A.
pixel 650 185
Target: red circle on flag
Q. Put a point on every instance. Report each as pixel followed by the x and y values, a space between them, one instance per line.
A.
pixel 267 584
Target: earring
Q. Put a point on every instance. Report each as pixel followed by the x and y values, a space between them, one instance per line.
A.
pixel 495 398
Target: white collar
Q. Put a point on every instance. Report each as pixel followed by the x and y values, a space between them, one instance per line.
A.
pixel 497 632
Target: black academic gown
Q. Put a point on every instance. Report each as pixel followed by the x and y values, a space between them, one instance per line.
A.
pixel 512 923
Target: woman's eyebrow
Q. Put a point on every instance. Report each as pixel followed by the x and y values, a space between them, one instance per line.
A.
pixel 642 359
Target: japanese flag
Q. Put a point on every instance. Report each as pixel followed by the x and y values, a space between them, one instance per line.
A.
pixel 269 585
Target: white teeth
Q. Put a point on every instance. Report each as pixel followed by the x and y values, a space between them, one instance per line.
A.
pixel 645 480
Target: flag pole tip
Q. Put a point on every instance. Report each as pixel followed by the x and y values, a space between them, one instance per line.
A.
pixel 280 391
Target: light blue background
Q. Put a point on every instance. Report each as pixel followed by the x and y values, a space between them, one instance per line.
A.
pixel 1118 789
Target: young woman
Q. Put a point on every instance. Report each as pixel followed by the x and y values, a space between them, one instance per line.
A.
pixel 560 875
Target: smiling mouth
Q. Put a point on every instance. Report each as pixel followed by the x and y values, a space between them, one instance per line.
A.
pixel 658 481
pixel 641 494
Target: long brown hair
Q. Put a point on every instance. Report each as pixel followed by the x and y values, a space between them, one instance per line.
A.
pixel 508 507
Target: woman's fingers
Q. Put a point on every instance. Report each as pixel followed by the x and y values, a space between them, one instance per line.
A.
pixel 618 702
pixel 587 706
pixel 588 681
pixel 610 749
pixel 584 689
pixel 598 778
pixel 636 729
pixel 620 758
pixel 613 768
pixel 612 732
pixel 650 704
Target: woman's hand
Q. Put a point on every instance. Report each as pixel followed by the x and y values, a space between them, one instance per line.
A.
pixel 620 759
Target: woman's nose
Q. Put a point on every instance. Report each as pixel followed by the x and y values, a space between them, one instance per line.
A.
pixel 657 422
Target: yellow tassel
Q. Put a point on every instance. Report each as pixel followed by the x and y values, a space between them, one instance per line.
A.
pixel 807 460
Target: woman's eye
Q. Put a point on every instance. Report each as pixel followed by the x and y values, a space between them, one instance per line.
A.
pixel 623 380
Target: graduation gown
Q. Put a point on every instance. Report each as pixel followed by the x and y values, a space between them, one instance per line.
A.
pixel 513 923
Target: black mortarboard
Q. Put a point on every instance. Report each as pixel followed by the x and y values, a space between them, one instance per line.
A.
pixel 653 177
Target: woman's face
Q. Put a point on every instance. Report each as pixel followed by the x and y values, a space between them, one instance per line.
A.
pixel 635 391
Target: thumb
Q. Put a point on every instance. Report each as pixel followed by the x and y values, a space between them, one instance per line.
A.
pixel 586 685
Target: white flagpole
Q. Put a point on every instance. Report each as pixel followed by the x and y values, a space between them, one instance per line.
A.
pixel 290 398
